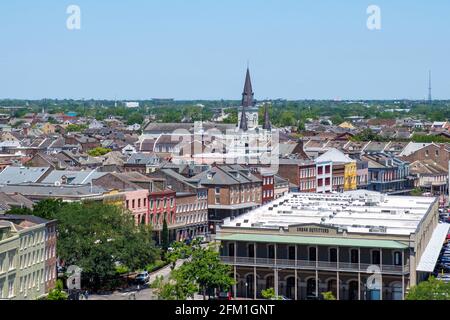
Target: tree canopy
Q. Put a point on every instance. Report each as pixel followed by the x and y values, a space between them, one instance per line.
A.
pixel 201 271
pixel 432 289
pixel 97 237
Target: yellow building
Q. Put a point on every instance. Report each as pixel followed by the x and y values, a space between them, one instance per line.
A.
pixel 350 174
pixel 48 128
pixel 346 125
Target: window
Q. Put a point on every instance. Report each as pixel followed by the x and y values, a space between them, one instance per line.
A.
pixel 320 170
pixel 328 169
pixel 320 182
pixel 251 250
pixel 133 203
pixel 271 251
pixel 327 181
pixel 291 253
pixel 139 203
pixel 354 256
pixel 376 257
pixel 398 258
pixel 145 202
pixel 151 204
pixel 11 288
pixel 333 255
pixel 217 190
pixel 231 249
pixel 312 254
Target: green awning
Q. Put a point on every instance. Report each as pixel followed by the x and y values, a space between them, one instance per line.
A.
pixel 320 241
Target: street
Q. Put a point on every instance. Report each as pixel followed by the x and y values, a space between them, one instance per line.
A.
pixel 143 294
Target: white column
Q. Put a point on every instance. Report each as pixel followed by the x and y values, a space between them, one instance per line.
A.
pixel 235 283
pixel 338 284
pixel 235 260
pixel 276 270
pixel 381 274
pixel 359 273
pixel 317 272
pixel 296 275
pixel 403 274
pixel 255 283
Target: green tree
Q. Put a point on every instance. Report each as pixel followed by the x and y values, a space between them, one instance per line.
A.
pixel 98 151
pixel 269 294
pixel 416 192
pixel 48 208
pixel 203 270
pixel 57 293
pixel 75 128
pixel 97 237
pixel 328 295
pixel 135 117
pixel 165 236
pixel 432 289
pixel 20 211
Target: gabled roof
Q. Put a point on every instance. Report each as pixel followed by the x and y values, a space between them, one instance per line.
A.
pixel 334 155
pixel 16 175
pixel 72 177
pixel 413 147
pixel 226 175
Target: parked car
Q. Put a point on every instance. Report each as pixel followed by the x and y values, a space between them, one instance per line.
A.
pixel 223 295
pixel 143 277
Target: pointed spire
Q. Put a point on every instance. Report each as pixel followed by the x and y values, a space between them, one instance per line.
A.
pixel 247 95
pixel 247 100
pixel 266 125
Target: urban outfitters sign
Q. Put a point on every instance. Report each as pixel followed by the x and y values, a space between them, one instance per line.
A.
pixel 313 229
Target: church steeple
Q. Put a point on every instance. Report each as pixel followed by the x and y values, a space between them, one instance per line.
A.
pixel 247 100
pixel 266 124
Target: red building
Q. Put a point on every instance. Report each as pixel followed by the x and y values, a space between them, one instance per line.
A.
pixel 307 177
pixel 268 185
pixel 162 205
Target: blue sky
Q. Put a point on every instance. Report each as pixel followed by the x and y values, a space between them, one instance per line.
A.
pixel 198 49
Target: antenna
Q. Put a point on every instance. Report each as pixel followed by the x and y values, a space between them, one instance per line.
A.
pixel 430 98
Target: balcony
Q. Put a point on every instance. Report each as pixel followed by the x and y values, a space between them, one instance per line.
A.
pixel 311 265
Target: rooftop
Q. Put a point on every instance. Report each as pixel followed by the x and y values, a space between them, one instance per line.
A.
pixel 354 212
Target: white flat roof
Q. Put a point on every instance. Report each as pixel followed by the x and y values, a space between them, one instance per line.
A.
pixel 356 211
pixel 431 254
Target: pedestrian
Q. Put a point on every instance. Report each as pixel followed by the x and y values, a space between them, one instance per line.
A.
pixel 86 295
pixel 138 287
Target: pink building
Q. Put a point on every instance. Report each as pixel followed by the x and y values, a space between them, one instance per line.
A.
pixel 137 202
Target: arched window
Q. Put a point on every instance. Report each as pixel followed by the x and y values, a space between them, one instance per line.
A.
pixel 332 287
pixel 311 288
pixel 290 288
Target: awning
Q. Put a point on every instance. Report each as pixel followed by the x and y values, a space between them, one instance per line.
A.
pixel 431 254
pixel 312 240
